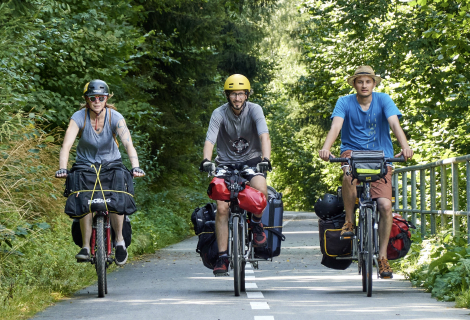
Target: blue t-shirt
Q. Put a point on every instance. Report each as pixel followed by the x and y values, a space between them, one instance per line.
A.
pixel 366 130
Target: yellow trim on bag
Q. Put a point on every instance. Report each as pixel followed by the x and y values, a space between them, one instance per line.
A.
pixel 324 244
pixel 371 171
pixel 103 190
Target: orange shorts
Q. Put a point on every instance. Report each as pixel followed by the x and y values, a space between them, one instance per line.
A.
pixel 379 188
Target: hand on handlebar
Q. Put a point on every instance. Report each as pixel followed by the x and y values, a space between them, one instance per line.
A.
pixel 207 166
pixel 325 154
pixel 407 153
pixel 137 172
pixel 264 165
pixel 61 173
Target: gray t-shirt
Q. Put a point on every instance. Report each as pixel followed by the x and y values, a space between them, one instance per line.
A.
pixel 97 147
pixel 237 137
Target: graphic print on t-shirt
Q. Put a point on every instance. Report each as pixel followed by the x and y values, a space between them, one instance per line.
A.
pixel 240 145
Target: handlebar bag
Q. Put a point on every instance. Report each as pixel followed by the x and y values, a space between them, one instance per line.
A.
pixel 218 190
pixel 368 166
pixel 252 200
pixel 99 187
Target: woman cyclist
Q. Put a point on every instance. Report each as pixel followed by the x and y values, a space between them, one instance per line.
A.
pixel 97 144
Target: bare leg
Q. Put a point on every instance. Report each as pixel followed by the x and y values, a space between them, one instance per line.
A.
pixel 349 197
pixel 259 183
pixel 86 228
pixel 385 224
pixel 221 225
pixel 117 220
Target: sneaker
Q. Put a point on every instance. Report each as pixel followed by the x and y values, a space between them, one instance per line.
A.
pixel 221 267
pixel 83 255
pixel 385 271
pixel 347 230
pixel 259 237
pixel 120 255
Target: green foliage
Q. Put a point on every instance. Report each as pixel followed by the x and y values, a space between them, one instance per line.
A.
pixel 440 265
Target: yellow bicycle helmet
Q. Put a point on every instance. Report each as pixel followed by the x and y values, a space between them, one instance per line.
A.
pixel 237 82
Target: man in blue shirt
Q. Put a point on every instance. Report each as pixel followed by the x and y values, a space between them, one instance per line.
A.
pixel 365 120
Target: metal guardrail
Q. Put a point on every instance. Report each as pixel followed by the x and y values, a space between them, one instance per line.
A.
pixel 429 207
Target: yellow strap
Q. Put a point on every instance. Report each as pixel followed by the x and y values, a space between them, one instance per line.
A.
pixel 94 187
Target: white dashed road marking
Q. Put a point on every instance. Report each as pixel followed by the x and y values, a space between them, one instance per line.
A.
pixel 264 318
pixel 249 271
pixel 259 305
pixel 255 295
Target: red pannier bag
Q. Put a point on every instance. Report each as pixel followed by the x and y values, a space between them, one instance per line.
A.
pixel 218 190
pixel 399 242
pixel 252 200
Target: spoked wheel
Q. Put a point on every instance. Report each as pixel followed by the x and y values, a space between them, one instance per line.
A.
pixel 369 252
pixel 101 256
pixel 242 255
pixel 237 259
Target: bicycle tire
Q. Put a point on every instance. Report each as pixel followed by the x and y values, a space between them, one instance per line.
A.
pixel 369 247
pixel 100 256
pixel 236 256
pixel 243 239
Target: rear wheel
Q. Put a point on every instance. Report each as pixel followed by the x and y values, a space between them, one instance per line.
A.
pixel 237 265
pixel 101 256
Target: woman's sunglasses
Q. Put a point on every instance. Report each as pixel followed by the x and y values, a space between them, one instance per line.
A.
pixel 93 98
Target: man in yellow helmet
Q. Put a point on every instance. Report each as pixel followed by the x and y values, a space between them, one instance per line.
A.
pixel 241 133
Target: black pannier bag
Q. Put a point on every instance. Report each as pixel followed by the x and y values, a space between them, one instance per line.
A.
pixel 126 232
pixel 329 231
pixel 207 245
pixel 203 219
pixel 99 187
pixel 202 214
pixel 272 222
pixel 368 166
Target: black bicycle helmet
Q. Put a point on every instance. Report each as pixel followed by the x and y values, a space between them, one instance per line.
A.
pixel 96 86
pixel 328 207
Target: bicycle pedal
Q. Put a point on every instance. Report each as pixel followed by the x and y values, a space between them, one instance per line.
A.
pixel 347 237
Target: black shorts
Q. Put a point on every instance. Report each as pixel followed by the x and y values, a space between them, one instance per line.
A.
pixel 250 163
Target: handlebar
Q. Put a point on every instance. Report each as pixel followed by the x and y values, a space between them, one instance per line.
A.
pixel 399 159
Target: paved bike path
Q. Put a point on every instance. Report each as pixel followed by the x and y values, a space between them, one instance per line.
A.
pixel 173 284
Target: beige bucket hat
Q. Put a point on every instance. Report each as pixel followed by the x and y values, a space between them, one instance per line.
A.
pixel 364 71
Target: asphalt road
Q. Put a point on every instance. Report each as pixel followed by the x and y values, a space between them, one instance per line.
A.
pixel 174 284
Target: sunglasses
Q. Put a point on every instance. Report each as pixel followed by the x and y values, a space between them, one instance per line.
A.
pixel 93 98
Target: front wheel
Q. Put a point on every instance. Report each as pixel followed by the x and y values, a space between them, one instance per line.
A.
pixel 237 265
pixel 101 256
pixel 369 251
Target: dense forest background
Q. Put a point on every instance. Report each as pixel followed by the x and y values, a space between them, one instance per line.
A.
pixel 166 62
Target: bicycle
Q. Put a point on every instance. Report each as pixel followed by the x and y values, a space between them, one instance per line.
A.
pixel 366 167
pixel 240 248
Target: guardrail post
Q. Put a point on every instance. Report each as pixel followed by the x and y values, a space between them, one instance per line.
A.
pixel 397 193
pixel 467 163
pixel 422 193
pixel 413 196
pixel 433 197
pixel 455 199
pixel 443 196
pixel 404 186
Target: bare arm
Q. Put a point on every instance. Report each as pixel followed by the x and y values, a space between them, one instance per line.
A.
pixel 126 139
pixel 265 145
pixel 398 132
pixel 207 151
pixel 69 139
pixel 336 126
